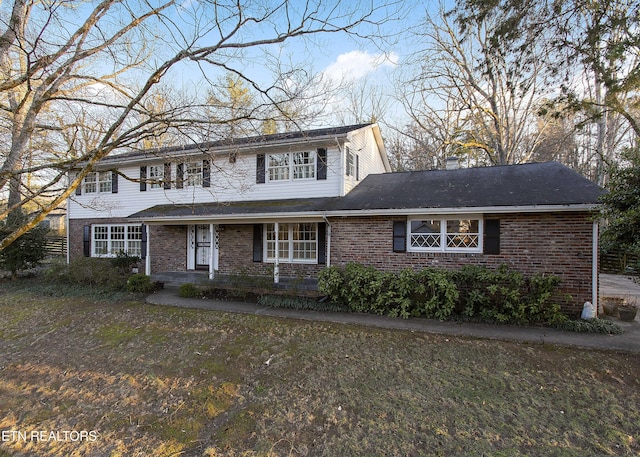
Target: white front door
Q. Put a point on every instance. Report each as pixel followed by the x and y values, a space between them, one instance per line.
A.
pixel 200 253
pixel 203 247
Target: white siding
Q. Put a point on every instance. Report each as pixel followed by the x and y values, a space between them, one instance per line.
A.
pixel 363 144
pixel 229 182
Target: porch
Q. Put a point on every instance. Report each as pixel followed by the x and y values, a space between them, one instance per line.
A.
pixel 177 278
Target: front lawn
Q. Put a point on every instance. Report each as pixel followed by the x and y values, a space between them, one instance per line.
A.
pixel 122 378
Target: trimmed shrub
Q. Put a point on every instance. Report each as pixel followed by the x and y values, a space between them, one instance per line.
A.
pixel 473 292
pixel 90 271
pixel 189 290
pixel 505 295
pixel 140 283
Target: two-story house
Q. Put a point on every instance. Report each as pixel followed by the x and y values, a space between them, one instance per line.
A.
pixel 290 204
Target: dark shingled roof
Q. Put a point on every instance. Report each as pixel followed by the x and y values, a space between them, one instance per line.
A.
pixel 259 140
pixel 527 185
pixel 238 208
pixel 533 184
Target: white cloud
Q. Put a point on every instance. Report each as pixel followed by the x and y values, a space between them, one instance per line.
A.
pixel 355 65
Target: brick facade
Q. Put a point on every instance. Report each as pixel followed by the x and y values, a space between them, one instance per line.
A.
pixel 236 255
pixel 168 247
pixel 76 237
pixel 551 243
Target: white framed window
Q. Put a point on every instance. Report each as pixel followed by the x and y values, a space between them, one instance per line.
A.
pixel 97 181
pixel 278 167
pixel 350 169
pixel 193 172
pixel 448 233
pixel 304 165
pixel 110 240
pixel 291 166
pixel 297 242
pixel 90 183
pixel 156 176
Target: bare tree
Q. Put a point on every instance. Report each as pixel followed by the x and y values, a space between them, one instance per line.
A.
pixel 592 60
pixel 105 60
pixel 481 98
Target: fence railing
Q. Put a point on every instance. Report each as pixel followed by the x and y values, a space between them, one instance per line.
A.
pixel 56 245
pixel 619 262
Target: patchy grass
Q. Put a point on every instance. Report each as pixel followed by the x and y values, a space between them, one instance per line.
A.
pixel 166 382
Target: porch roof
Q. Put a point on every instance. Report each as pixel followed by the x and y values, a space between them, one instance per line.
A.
pixel 230 210
pixel 535 187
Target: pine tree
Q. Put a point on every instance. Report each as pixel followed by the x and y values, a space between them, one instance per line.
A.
pixel 27 251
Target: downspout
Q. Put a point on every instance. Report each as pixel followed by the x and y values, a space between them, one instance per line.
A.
pixel 276 263
pixel 594 269
pixel 342 165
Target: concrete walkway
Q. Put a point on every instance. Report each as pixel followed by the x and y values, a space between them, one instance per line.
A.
pixel 628 341
pixel 619 286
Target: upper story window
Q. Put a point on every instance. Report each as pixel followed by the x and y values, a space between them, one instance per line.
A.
pixel 352 166
pixel 156 176
pixel 193 171
pixel 97 181
pixel 293 165
pixel 445 234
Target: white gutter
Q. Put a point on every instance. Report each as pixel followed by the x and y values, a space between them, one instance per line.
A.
pixel 144 156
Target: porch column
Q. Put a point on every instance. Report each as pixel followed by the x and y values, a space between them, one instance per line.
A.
pixel 211 249
pixel 276 263
pixel 147 259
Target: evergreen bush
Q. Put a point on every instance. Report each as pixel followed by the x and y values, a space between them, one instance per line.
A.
pixel 473 292
pixel 189 290
pixel 28 250
pixel 140 283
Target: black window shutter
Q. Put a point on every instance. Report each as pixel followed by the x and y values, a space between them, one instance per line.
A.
pixel 180 176
pixel 86 240
pixel 206 173
pixel 257 242
pixel 261 165
pixel 399 236
pixel 114 182
pixel 321 163
pixel 79 188
pixel 167 176
pixel 143 179
pixel 143 247
pixel 322 243
pixel 492 236
pixel 357 167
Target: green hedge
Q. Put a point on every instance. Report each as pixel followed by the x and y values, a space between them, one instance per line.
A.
pixel 473 292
